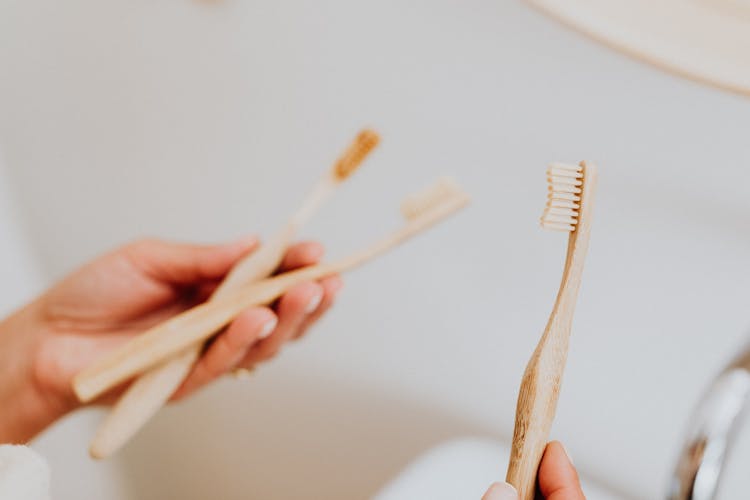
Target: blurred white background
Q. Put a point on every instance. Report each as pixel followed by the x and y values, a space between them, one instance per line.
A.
pixel 208 120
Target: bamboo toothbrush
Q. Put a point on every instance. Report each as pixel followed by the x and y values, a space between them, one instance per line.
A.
pixel 201 322
pixel 154 388
pixel 569 208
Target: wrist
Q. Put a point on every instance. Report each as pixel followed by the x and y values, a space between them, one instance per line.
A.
pixel 28 407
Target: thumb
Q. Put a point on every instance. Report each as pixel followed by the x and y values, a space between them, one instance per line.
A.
pixel 558 479
pixel 186 264
pixel 501 491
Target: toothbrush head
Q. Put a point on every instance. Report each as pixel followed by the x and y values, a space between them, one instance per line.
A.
pixel 442 191
pixel 355 154
pixel 565 186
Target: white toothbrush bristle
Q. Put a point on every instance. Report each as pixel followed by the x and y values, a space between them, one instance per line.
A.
pixel 563 197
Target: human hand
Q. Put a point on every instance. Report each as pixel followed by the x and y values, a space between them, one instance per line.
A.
pixel 123 293
pixel 558 479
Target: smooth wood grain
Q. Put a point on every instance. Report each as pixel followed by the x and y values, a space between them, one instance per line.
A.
pixel 540 386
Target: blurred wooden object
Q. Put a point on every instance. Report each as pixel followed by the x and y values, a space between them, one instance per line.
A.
pixel 707 41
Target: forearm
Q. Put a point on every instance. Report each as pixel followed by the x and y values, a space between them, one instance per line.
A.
pixel 24 409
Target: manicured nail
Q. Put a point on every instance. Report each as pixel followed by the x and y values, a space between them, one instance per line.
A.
pixel 247 241
pixel 243 373
pixel 269 327
pixel 565 450
pixel 501 491
pixel 314 303
pixel 337 285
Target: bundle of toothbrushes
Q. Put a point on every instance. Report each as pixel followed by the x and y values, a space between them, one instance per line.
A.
pixel 160 358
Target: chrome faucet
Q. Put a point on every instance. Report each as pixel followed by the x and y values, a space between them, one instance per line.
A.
pixel 712 428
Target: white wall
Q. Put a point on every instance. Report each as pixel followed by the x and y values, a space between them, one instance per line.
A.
pixel 202 121
pixel 21 276
pixel 21 281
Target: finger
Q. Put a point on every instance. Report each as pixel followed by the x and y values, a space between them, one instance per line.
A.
pixel 558 479
pixel 185 264
pixel 292 310
pixel 230 347
pixel 501 491
pixel 302 254
pixel 331 286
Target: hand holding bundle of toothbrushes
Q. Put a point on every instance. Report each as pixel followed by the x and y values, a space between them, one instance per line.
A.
pixel 120 294
pixel 164 354
pixel 153 320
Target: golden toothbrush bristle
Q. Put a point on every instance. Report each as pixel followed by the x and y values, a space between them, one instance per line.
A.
pixel 357 151
pixel 563 197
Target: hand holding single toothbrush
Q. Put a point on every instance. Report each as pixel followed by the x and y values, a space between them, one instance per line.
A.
pixel 199 323
pixel 569 209
pixel 558 479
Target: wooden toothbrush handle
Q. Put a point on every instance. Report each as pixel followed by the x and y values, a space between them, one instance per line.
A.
pixel 540 386
pixel 199 323
pixel 535 411
pixel 153 389
pixel 140 402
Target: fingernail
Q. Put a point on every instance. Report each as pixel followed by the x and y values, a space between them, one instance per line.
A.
pixel 247 241
pixel 565 450
pixel 243 373
pixel 501 491
pixel 337 285
pixel 314 303
pixel 269 327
